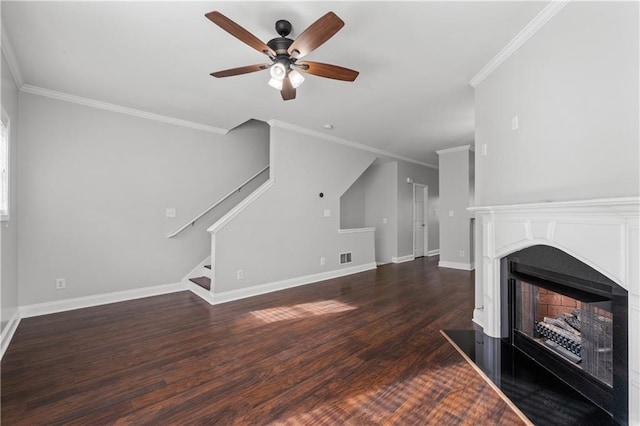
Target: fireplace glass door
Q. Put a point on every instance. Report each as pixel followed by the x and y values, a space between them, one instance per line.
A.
pixel 579 331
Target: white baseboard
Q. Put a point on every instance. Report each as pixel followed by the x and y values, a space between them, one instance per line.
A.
pixel 457 265
pixel 7 333
pixel 478 317
pixel 200 292
pixel 435 252
pixel 402 259
pixel 229 296
pixel 98 299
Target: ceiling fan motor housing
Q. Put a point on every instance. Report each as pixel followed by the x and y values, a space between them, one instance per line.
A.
pixel 280 45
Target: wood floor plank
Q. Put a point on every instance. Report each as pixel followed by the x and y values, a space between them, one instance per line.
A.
pixel 362 349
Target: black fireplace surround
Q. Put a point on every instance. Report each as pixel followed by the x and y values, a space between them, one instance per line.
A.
pixel 584 342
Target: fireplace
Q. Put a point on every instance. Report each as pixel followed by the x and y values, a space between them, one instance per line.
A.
pixel 570 319
pixel 604 236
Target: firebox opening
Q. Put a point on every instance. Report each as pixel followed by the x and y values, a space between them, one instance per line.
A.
pixel 572 321
pixel 579 331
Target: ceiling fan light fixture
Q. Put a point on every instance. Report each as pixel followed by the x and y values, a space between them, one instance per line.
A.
pixel 276 84
pixel 296 78
pixel 278 71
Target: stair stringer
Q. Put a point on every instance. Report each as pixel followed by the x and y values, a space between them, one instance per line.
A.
pixel 199 271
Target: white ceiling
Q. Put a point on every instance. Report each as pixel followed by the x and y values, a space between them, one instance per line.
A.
pixel 415 59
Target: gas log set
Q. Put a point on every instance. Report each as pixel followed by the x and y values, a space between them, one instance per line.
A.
pixel 564 335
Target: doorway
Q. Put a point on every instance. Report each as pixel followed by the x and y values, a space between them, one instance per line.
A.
pixel 420 220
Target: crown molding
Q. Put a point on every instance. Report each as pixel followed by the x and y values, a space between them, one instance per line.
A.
pixel 34 90
pixel 7 50
pixel 455 149
pixel 341 141
pixel 521 38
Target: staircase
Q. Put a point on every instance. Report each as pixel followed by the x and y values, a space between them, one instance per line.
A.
pixel 200 279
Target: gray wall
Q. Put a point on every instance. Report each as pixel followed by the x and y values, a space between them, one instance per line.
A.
pixel 455 190
pixel 9 230
pixel 574 87
pixel 352 206
pixel 283 234
pixel 425 176
pixel 94 186
pixel 381 195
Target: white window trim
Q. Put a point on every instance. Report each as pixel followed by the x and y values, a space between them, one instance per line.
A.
pixel 7 122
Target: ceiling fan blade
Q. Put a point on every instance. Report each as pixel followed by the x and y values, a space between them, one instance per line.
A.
pixel 240 70
pixel 328 70
pixel 315 35
pixel 288 92
pixel 239 32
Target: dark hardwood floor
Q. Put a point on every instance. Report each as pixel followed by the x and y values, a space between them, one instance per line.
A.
pixel 363 349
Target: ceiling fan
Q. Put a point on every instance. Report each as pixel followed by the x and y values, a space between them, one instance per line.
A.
pixel 286 53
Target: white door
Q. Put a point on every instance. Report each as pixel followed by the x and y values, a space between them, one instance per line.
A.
pixel 420 220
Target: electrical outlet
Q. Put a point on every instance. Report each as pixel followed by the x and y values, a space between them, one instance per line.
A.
pixel 384 220
pixel 327 213
pixel 323 261
pixel 461 253
pixel 61 283
pixel 515 123
pixel 170 212
pixel 239 274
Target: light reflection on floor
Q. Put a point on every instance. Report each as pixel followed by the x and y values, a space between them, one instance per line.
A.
pixel 435 394
pixel 303 310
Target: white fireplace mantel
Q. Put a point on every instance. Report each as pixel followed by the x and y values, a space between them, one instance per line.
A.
pixel 604 234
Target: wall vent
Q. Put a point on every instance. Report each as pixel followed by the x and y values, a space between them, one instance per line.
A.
pixel 345 258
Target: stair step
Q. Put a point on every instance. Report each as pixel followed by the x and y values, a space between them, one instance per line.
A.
pixel 203 282
pixel 207 266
